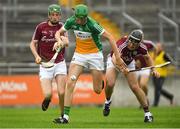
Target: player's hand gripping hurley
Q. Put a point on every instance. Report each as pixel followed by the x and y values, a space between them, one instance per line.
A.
pixel 50 63
pixel 156 66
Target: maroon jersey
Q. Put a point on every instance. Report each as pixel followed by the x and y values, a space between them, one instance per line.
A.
pixel 129 55
pixel 150 46
pixel 45 35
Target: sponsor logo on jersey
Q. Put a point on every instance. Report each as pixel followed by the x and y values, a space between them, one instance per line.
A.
pixel 45 39
pixel 82 35
pixel 48 36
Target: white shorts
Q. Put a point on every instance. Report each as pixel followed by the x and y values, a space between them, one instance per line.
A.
pixel 109 64
pixel 49 73
pixel 91 61
pixel 143 73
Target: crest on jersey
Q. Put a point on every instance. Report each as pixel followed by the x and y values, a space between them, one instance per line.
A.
pixel 51 33
pixel 134 52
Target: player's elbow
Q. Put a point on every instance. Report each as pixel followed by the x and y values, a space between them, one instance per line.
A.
pixel 32 45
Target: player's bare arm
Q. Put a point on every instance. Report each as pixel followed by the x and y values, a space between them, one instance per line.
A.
pixel 150 62
pixel 65 40
pixel 123 68
pixel 108 36
pixel 33 46
pixel 61 40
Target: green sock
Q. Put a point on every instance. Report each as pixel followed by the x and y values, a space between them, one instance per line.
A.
pixel 66 110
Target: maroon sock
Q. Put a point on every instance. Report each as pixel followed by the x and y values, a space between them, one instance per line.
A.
pixel 146 109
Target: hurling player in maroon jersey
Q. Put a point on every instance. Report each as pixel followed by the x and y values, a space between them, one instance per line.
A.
pixel 129 47
pixel 41 46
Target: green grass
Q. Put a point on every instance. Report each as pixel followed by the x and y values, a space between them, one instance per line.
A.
pixel 89 117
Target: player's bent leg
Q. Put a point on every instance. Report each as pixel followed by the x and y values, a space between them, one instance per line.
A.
pixel 74 71
pixel 144 83
pixel 47 91
pixel 96 65
pixel 140 95
pixel 133 83
pixel 111 76
pixel 98 82
pixel 61 82
pixel 108 91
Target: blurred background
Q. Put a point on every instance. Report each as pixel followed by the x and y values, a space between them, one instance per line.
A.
pixel 159 19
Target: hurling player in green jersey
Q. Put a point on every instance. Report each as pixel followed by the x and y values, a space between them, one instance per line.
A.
pixel 88 53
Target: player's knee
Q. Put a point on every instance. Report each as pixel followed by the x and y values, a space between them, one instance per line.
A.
pixel 61 92
pixel 61 89
pixel 70 84
pixel 135 88
pixel 110 84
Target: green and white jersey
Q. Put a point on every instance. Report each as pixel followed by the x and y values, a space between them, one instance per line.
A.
pixel 87 36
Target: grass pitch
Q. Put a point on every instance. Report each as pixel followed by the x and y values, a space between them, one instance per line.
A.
pixel 89 117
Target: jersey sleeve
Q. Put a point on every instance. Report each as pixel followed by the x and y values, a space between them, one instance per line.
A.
pixel 97 29
pixel 37 33
pixel 68 24
pixel 143 49
pixel 149 44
